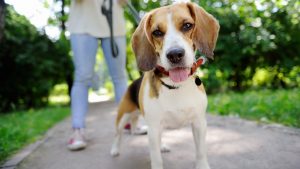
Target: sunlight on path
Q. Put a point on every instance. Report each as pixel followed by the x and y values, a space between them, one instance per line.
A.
pixel 93 97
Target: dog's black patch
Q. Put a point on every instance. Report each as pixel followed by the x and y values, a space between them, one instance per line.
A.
pixel 134 90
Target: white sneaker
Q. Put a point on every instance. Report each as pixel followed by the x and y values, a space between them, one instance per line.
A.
pixel 77 141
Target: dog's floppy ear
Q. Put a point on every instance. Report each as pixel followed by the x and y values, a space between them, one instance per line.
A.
pixel 206 30
pixel 142 45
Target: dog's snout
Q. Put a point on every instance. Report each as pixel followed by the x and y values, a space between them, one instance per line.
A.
pixel 175 55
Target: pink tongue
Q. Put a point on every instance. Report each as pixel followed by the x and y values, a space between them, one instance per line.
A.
pixel 179 74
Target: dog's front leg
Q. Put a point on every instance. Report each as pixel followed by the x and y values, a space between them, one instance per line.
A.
pixel 199 132
pixel 154 135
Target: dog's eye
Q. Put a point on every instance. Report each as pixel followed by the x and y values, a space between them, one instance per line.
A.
pixel 157 33
pixel 187 26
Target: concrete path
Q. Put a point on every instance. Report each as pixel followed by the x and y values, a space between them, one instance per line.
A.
pixel 232 144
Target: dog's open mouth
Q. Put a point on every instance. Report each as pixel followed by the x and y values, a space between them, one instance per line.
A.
pixel 179 74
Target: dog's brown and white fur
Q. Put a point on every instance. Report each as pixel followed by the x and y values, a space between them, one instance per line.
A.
pixel 168 37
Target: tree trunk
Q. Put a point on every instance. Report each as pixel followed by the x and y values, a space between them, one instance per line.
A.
pixel 69 78
pixel 2 18
pixel 62 12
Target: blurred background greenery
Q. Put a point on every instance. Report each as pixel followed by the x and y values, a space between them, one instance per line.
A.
pixel 258 47
pixel 255 73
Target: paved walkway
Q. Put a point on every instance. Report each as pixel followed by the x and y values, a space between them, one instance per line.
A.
pixel 232 144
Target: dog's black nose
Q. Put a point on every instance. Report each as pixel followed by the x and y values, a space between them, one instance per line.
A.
pixel 175 55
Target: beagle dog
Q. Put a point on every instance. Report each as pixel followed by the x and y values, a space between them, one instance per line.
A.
pixel 169 95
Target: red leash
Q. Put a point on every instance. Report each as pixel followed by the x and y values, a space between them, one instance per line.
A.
pixel 196 64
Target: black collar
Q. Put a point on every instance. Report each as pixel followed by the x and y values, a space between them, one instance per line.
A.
pixel 198 82
pixel 169 86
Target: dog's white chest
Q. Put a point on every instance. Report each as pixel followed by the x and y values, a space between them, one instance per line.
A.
pixel 177 107
pixel 179 117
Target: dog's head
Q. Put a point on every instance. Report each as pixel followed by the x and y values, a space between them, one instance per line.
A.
pixel 168 36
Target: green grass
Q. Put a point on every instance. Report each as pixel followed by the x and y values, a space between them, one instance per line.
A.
pixel 20 128
pixel 267 106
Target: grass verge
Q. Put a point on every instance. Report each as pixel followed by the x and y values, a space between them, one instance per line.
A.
pixel 20 128
pixel 267 106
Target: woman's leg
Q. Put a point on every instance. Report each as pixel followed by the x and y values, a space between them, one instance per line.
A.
pixel 117 70
pixel 116 65
pixel 84 49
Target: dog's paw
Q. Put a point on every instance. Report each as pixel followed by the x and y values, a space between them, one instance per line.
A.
pixel 164 148
pixel 114 152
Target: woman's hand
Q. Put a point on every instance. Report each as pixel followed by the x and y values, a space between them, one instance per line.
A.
pixel 123 2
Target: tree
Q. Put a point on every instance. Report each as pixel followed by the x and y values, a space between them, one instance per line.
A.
pixel 2 14
pixel 257 36
pixel 59 20
pixel 31 64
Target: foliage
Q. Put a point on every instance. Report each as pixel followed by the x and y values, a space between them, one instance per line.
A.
pixel 31 64
pixel 257 48
pixel 279 106
pixel 23 127
pixel 59 95
pixel 257 36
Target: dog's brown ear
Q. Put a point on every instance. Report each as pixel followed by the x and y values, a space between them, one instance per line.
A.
pixel 142 45
pixel 206 30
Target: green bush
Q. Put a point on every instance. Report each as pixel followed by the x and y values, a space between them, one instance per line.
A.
pixel 258 44
pixel 30 64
